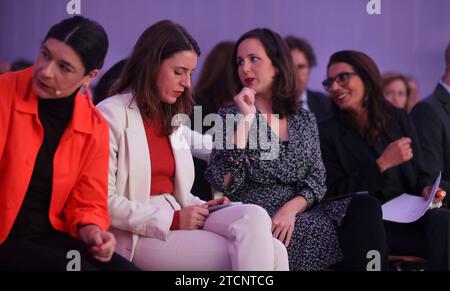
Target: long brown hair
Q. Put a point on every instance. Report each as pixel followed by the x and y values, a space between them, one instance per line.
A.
pixel 157 43
pixel 376 105
pixel 285 82
pixel 216 79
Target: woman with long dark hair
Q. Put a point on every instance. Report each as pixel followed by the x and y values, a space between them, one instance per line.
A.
pixel 372 146
pixel 158 223
pixel 272 158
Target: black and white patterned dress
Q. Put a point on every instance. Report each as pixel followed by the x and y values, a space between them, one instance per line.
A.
pixel 271 182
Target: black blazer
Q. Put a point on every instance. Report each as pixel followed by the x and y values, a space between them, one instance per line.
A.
pixel 432 120
pixel 319 104
pixel 351 165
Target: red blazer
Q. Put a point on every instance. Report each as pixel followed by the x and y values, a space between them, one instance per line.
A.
pixel 80 174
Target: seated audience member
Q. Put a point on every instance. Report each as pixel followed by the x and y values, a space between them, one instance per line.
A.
pixel 369 145
pixel 396 90
pixel 54 157
pixel 158 223
pixel 304 61
pixel 271 157
pixel 432 120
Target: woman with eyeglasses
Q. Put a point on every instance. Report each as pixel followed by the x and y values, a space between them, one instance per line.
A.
pixel 290 181
pixel 369 145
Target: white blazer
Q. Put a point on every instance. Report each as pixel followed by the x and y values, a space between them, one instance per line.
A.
pixel 132 213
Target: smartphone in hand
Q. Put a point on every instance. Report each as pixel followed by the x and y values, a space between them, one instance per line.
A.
pixel 220 206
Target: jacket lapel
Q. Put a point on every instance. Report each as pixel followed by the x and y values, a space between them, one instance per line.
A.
pixel 358 149
pixel 138 153
pixel 444 98
pixel 140 163
pixel 355 146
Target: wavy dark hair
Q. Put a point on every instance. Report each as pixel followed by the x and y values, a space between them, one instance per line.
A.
pixel 139 76
pixel 285 82
pixel 375 104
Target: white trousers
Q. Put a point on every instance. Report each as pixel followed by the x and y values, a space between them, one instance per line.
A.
pixel 233 238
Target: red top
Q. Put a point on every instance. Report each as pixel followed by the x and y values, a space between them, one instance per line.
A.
pixel 161 158
pixel 162 162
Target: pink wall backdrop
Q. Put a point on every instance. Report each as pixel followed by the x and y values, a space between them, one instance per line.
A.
pixel 408 36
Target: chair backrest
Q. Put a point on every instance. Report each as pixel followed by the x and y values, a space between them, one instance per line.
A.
pixel 407 263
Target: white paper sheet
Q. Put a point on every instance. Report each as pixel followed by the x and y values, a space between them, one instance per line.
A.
pixel 408 208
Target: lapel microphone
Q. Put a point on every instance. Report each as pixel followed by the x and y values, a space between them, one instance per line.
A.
pixel 58 92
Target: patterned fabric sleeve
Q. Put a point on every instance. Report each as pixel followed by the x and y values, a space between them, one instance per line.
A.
pixel 226 159
pixel 312 186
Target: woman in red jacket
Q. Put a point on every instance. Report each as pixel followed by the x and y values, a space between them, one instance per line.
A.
pixel 54 158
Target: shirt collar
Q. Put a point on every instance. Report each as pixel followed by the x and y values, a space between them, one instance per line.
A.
pixel 27 101
pixel 303 98
pixel 446 86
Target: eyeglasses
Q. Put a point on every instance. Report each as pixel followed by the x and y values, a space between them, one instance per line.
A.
pixel 341 79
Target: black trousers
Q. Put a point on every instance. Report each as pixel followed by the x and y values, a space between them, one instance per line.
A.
pixel 49 252
pixel 428 237
pixel 362 231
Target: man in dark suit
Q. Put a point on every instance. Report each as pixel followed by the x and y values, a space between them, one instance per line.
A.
pixel 432 120
pixel 304 60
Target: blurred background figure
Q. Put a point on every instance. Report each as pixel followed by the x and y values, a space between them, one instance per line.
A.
pixel 414 95
pixel 396 90
pixel 214 89
pixel 4 67
pixel 20 64
pixel 107 80
pixel 304 61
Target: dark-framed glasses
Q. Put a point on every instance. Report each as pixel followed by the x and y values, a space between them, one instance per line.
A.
pixel 341 79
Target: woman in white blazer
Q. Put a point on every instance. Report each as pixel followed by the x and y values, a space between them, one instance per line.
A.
pixel 174 230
